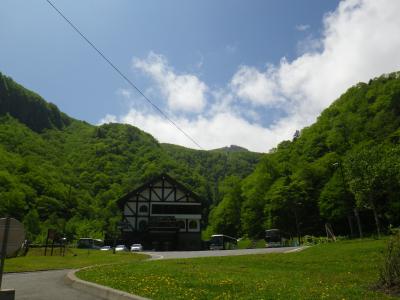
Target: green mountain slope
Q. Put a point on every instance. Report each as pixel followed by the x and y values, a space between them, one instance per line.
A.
pixel 28 107
pixel 215 165
pixel 59 172
pixel 349 160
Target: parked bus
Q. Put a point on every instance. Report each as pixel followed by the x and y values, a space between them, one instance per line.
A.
pixel 222 242
pixel 89 243
pixel 274 238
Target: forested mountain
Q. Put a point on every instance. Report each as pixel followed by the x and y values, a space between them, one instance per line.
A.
pixel 59 172
pixel 29 108
pixel 345 165
pixel 215 165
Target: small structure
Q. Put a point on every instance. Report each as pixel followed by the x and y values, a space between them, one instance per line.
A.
pixel 12 235
pixel 162 214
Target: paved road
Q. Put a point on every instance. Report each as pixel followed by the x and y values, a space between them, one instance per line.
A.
pixel 49 285
pixel 192 254
pixel 43 285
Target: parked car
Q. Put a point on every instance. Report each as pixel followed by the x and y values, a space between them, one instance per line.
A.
pixel 105 248
pixel 136 247
pixel 120 248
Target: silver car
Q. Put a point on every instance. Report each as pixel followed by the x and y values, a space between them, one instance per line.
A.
pixel 120 248
pixel 136 247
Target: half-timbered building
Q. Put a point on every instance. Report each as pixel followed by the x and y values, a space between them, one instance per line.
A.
pixel 163 215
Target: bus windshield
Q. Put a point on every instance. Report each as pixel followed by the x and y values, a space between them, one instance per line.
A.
pixel 217 240
pixel 89 243
pixel 222 242
pixel 274 238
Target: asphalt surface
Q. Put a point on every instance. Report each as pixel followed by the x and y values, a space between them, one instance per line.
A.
pixel 42 285
pixel 209 253
pixel 49 285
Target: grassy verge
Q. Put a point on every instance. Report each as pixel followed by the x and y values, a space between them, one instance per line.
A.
pixel 35 261
pixel 247 244
pixel 343 270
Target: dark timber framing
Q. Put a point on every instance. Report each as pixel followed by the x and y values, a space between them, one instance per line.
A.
pixel 162 214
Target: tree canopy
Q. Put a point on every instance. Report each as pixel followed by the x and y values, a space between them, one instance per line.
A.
pixel 58 172
pixel 346 162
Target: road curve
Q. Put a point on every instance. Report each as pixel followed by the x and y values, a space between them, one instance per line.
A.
pixel 42 285
pixel 209 253
pixel 50 285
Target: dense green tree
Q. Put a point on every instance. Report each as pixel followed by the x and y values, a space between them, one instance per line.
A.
pixel 336 203
pixel 372 171
pixel 32 224
pixel 309 182
pixel 224 217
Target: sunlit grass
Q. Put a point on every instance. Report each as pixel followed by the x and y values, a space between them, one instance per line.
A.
pixel 77 258
pixel 343 270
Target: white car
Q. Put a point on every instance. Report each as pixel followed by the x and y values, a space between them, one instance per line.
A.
pixel 120 248
pixel 105 248
pixel 136 247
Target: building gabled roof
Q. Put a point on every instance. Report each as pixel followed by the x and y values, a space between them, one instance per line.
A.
pixel 163 176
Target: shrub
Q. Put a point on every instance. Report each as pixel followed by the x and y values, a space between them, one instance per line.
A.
pixel 309 240
pixel 389 277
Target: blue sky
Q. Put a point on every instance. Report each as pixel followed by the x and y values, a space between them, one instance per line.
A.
pixel 228 72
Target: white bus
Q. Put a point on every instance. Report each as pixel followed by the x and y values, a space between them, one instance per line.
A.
pixel 89 243
pixel 222 242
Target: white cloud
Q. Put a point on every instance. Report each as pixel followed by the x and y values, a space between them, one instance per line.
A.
pixel 184 92
pixel 309 45
pixel 219 130
pixel 200 62
pixel 360 40
pixel 108 119
pixel 126 93
pixel 254 86
pixel 231 49
pixel 302 27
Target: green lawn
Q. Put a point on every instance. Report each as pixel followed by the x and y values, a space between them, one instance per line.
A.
pixel 343 270
pixel 35 260
pixel 248 244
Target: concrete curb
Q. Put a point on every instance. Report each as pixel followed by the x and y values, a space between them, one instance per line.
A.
pixel 301 248
pixel 97 290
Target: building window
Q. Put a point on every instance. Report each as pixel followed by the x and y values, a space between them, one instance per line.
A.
pixel 182 224
pixel 193 224
pixel 142 225
pixel 171 209
pixel 143 209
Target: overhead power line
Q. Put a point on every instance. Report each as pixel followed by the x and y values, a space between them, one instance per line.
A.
pixel 158 109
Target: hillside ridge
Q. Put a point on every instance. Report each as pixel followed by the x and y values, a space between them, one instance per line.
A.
pixel 56 171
